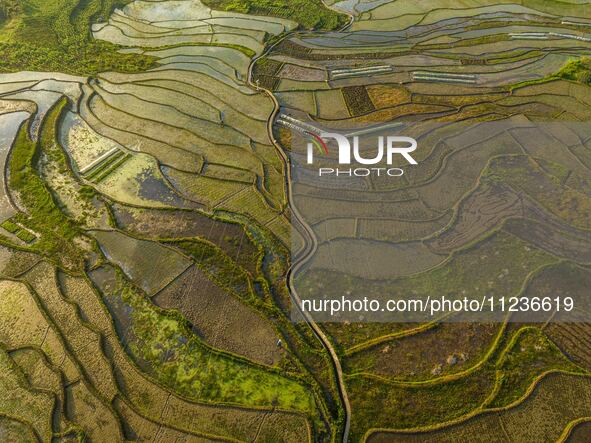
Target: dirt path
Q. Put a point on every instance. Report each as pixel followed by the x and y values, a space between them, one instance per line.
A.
pixel 310 247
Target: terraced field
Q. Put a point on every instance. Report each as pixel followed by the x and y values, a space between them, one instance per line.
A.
pixel 497 96
pixel 137 209
pixel 152 225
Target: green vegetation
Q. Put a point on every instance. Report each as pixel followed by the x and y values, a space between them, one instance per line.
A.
pixel 246 51
pixel 213 261
pixel 54 35
pixel 310 14
pixel 25 236
pixel 128 359
pixel 265 73
pixel 381 404
pixel 112 167
pixel 10 226
pixel 104 168
pixel 184 363
pixel 78 202
pixel 100 167
pixel 267 66
pixel 43 215
pixel 21 233
pixel 578 70
pixel 20 400
pixel 9 9
pixel 506 375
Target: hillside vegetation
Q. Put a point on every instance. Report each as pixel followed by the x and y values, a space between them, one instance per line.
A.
pixel 310 14
pixel 54 35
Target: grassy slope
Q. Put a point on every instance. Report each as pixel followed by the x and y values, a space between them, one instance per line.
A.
pixel 310 14
pixel 54 35
pixel 43 215
pixel 578 70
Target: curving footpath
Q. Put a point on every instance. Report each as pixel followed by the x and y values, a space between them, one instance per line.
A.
pixel 309 249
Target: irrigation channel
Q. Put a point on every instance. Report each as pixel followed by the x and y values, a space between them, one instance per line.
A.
pixel 310 240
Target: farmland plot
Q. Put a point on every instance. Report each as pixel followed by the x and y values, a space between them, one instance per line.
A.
pixel 83 144
pixel 413 257
pixel 580 433
pixel 213 127
pixel 458 276
pixel 183 363
pixel 442 350
pixel 86 403
pixel 150 265
pixel 541 417
pixel 219 319
pixel 159 224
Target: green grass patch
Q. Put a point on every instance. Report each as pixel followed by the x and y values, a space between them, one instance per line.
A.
pixel 310 14
pixel 514 56
pixel 531 82
pixel 21 233
pixel 42 212
pixel 163 340
pixel 54 35
pixel 250 53
pixel 10 227
pixel 112 168
pixel 25 236
pixel 577 70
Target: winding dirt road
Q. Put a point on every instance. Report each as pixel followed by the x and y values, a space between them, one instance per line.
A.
pixel 309 249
